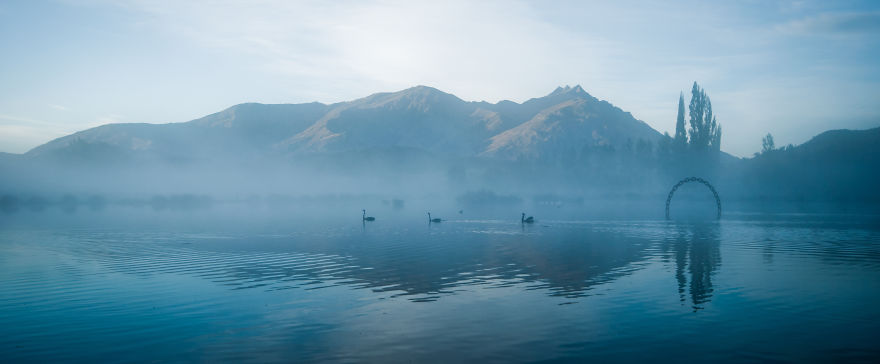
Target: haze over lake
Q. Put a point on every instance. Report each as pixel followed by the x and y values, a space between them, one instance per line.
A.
pixel 410 181
pixel 415 226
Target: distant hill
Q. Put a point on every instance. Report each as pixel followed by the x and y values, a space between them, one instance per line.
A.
pixel 245 130
pixel 421 118
pixel 859 146
pixel 837 165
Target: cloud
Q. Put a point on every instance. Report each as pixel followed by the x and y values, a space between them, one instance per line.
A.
pixel 58 107
pixel 473 49
pixel 17 120
pixel 836 24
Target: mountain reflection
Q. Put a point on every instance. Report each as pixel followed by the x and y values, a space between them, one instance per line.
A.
pixel 421 265
pixel 695 248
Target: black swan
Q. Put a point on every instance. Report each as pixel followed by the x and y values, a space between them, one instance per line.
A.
pixel 368 218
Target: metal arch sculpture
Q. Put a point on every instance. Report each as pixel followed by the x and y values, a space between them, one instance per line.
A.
pixel 693 179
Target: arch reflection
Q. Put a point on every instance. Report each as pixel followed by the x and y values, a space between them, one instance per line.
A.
pixel 695 250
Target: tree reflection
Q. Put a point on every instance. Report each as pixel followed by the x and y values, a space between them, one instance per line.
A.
pixel 697 254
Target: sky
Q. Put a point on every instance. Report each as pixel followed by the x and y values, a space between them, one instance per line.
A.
pixel 790 68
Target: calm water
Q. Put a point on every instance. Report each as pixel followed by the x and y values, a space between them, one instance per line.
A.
pixel 748 288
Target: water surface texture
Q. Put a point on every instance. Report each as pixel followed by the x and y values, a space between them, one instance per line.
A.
pixel 746 288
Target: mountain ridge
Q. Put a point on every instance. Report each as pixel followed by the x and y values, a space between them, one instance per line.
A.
pixel 417 117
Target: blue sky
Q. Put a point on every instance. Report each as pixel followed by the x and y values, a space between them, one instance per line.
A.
pixel 791 68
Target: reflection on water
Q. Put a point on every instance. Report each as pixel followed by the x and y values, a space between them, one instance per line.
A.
pixel 420 265
pixel 462 290
pixel 697 254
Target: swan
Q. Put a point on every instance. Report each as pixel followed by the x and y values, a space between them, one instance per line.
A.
pixel 368 218
pixel 433 220
pixel 527 220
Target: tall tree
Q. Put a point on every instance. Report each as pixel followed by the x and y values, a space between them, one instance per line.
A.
pixel 680 141
pixel 697 109
pixel 713 129
pixel 767 144
pixel 705 131
pixel 716 136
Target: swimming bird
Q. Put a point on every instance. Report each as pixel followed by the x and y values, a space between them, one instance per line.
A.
pixel 527 220
pixel 368 218
pixel 433 220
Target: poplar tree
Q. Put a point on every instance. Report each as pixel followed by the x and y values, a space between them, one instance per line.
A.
pixel 705 131
pixel 680 141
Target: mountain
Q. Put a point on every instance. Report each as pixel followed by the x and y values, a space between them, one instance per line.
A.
pixel 419 118
pixel 837 165
pixel 423 140
pixel 858 146
pixel 245 129
pixel 578 121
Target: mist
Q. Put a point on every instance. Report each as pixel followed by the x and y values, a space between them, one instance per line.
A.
pixel 280 181
pixel 426 149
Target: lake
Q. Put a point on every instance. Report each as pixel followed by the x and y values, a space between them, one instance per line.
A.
pixel 189 286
